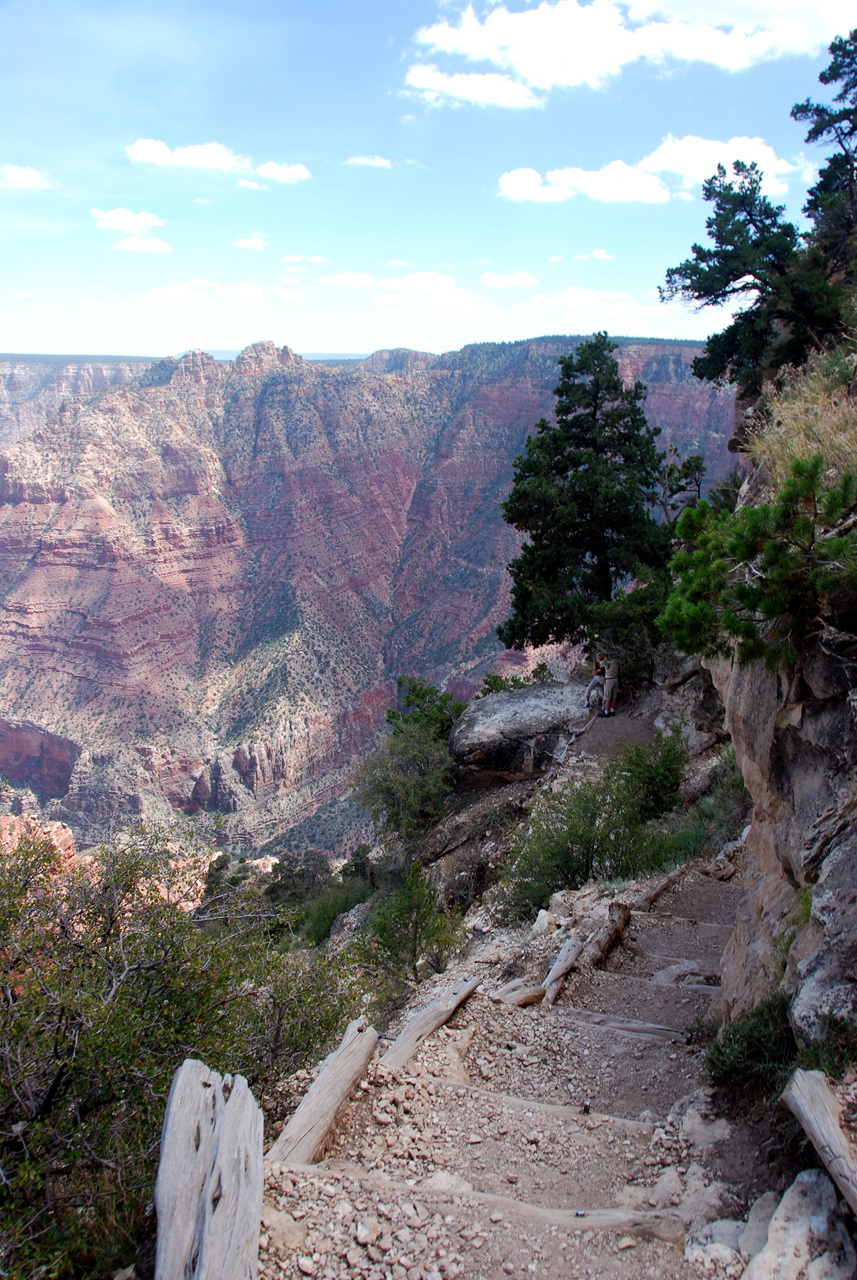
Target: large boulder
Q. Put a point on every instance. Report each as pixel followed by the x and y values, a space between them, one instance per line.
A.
pixel 521 731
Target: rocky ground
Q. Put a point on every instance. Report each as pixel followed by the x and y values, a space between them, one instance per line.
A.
pixel 580 1140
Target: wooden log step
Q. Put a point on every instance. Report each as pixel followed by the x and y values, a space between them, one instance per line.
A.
pixel 572 1115
pixel 811 1100
pixel 626 1026
pixel 652 1225
pixel 425 1022
pixel 304 1136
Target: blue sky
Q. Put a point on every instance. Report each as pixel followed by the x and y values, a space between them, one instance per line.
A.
pixel 344 177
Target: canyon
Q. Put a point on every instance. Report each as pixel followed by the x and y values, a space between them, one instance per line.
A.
pixel 213 571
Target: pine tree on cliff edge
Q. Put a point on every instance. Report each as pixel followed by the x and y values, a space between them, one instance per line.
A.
pixel 581 493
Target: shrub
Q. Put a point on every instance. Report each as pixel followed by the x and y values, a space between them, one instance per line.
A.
pixel 494 683
pixel 336 897
pixel 425 706
pixel 110 981
pixel 598 830
pixel 758 577
pixel 756 1051
pixel 404 784
pixel 653 773
pixel 409 929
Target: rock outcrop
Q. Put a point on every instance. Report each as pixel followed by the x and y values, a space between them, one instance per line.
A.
pixel 211 577
pixel 795 737
pixel 32 388
pixel 520 731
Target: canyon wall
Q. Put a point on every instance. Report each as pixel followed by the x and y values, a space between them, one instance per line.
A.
pixel 795 737
pixel 32 388
pixel 209 584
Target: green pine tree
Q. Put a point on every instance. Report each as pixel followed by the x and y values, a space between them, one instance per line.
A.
pixel 582 492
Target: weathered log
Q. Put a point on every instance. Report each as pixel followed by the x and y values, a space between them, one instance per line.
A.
pixel 564 963
pixel 208 1193
pixel 519 993
pixel 600 944
pixel 811 1100
pixel 303 1138
pixel 425 1022
pixel 646 900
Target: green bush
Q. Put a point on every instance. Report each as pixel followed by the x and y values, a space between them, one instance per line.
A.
pixel 653 773
pixel 757 577
pixel 111 980
pixel 337 897
pixel 757 1051
pixel 409 929
pixel 598 830
pixel 494 683
pixel 404 784
pixel 425 706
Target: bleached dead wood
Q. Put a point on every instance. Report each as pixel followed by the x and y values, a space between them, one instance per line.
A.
pixel 208 1193
pixel 425 1022
pixel 601 943
pixel 304 1136
pixel 646 900
pixel 811 1100
pixel 564 963
pixel 519 992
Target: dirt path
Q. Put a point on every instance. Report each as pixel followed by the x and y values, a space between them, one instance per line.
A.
pixel 535 1141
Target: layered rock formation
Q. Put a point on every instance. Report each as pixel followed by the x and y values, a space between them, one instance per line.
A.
pixel 32 388
pixel 795 737
pixel 210 584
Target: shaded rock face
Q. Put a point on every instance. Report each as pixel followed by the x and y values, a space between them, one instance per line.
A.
pixel 795 739
pixel 31 755
pixel 210 583
pixel 521 731
pixel 32 388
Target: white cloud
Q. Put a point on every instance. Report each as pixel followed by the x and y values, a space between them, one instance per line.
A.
pixel 688 161
pixel 250 185
pixel 202 155
pixel 124 220
pixel 293 257
pixel 316 257
pixel 692 160
pixel 418 293
pixel 283 172
pixel 144 244
pixel 211 155
pixel 398 262
pixel 370 162
pixel 614 182
pixel 484 89
pixel 256 241
pixel 297 271
pixel 290 295
pixel 18 177
pixel 203 296
pixel 565 43
pixel 516 280
pixel 202 200
pixel 557 257
pixel 580 310
pixel 599 255
pixel 24 294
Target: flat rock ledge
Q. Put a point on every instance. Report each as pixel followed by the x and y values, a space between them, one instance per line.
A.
pixel 520 731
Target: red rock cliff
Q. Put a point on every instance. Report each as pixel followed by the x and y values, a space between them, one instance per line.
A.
pixel 211 584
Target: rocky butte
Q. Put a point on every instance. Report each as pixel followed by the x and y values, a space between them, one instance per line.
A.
pixel 211 577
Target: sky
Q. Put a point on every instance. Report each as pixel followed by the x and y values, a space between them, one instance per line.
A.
pixel 399 173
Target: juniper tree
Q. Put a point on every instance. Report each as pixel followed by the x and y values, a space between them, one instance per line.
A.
pixel 582 493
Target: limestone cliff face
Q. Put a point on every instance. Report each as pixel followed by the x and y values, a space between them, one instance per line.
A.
pixel 208 586
pixel 795 737
pixel 32 388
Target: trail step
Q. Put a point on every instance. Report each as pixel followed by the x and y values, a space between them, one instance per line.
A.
pixel 626 1026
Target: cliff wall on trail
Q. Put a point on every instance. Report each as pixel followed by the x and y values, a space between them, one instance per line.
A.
pixel 795 737
pixel 209 585
pixel 32 388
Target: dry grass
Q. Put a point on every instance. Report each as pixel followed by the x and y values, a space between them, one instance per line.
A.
pixel 811 413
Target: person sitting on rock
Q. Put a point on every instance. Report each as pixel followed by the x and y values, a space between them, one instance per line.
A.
pixel 597 680
pixel 611 686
